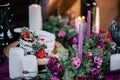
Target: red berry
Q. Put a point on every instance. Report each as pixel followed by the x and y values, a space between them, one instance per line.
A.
pixel 42 39
pixel 33 39
pixel 41 53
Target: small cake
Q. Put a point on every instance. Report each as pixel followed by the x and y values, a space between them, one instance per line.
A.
pixel 41 44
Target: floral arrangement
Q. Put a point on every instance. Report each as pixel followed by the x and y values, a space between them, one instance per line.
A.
pixel 95 55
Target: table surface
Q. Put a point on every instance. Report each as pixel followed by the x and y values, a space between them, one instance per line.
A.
pixel 4 67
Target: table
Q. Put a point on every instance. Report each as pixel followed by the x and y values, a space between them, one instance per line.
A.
pixel 4 67
pixel 112 75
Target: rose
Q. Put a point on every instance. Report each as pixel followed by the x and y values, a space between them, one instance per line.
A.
pixel 76 62
pixel 26 34
pixel 89 55
pixel 53 61
pixel 98 61
pixel 94 71
pixel 61 34
pixel 57 70
pixel 101 45
pixel 73 40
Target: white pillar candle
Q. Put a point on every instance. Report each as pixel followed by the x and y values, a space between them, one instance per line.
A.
pixel 35 17
pixel 115 62
pixel 97 20
pixel 77 23
pixel 30 66
pixel 16 55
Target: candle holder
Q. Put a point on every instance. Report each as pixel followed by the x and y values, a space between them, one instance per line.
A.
pixel 115 33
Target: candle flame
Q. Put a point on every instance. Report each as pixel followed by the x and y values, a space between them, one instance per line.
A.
pixel 35 5
pixel 83 17
pixel 79 18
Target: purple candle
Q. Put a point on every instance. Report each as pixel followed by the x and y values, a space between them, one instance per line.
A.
pixel 80 40
pixel 88 25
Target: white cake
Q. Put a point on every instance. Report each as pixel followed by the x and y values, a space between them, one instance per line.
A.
pixel 28 38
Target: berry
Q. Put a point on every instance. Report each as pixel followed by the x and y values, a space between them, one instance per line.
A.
pixel 41 53
pixel 33 39
pixel 42 39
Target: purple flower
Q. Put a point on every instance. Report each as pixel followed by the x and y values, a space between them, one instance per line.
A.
pixel 55 78
pixel 60 68
pixel 71 23
pixel 89 55
pixel 101 45
pixel 76 62
pixel 94 71
pixel 73 40
pixel 98 61
pixel 57 70
pixel 61 34
pixel 53 61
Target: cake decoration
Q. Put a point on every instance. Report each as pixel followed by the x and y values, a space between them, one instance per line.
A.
pixel 41 53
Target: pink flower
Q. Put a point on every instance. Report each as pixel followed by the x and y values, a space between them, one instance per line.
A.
pixel 61 34
pixel 94 71
pixel 101 45
pixel 73 40
pixel 76 62
pixel 89 55
pixel 98 61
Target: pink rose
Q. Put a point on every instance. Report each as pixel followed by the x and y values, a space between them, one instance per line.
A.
pixel 76 62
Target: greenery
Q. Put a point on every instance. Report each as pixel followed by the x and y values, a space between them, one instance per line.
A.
pixel 54 25
pixel 97 45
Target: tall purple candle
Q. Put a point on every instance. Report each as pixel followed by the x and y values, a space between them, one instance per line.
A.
pixel 88 25
pixel 80 40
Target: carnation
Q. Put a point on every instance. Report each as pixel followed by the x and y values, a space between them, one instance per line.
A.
pixel 94 71
pixel 76 62
pixel 89 54
pixel 62 34
pixel 98 61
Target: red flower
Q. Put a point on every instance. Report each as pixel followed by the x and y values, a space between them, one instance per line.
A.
pixel 41 53
pixel 26 34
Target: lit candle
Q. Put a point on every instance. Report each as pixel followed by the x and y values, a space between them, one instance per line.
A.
pixel 77 22
pixel 16 55
pixel 80 40
pixel 88 25
pixel 30 68
pixel 84 25
pixel 97 20
pixel 115 62
pixel 35 18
